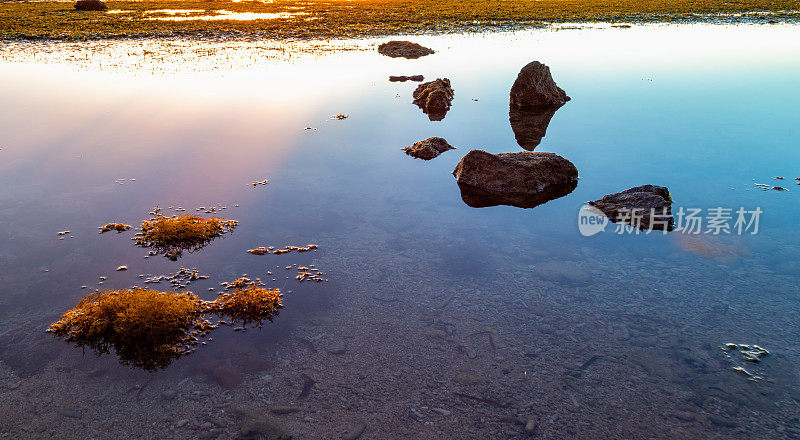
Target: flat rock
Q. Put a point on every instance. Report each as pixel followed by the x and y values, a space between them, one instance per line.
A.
pixel 404 78
pixel 515 174
pixel 645 207
pixel 535 87
pixel 434 98
pixel 404 49
pixel 90 5
pixel 428 149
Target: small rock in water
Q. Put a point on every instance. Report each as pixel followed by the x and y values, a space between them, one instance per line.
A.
pixel 428 149
pixel 521 179
pixel 534 87
pixel 434 98
pixel 404 49
pixel 121 268
pixel 643 207
pixel 403 78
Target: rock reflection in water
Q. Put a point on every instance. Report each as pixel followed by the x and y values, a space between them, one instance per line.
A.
pixel 530 124
pixel 480 198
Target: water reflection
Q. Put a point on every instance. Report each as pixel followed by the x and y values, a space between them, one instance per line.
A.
pixel 209 15
pixel 480 198
pixel 530 124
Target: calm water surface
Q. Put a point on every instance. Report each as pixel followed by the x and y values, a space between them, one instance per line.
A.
pixel 439 320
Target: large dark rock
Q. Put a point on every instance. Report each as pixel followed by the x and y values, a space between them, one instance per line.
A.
pixel 518 179
pixel 535 87
pixel 90 5
pixel 434 98
pixel 530 124
pixel 404 49
pixel 428 149
pixel 644 207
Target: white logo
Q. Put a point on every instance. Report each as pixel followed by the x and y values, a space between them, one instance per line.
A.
pixel 591 221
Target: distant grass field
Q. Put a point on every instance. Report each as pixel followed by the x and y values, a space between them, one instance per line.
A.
pixel 325 19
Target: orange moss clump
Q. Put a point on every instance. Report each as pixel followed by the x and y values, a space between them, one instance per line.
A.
pixel 249 305
pixel 173 235
pixel 149 329
pixel 146 328
pixel 119 227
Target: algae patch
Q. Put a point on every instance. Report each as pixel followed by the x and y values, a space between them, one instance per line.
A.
pixel 146 328
pixel 173 235
pixel 119 227
pixel 248 304
pixel 149 329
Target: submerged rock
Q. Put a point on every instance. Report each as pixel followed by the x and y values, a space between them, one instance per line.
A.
pixel 514 176
pixel 225 376
pixel 644 207
pixel 428 149
pixel 434 98
pixel 404 49
pixel 535 87
pixel 404 78
pixel 90 5
pixel 530 124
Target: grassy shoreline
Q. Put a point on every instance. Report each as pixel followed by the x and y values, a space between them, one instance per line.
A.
pixel 329 19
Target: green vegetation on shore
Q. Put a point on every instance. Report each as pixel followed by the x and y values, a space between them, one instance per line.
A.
pixel 322 19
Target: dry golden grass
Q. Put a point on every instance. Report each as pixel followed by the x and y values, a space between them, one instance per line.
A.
pixel 350 19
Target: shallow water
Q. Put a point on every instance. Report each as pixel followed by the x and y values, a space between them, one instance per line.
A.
pixel 439 320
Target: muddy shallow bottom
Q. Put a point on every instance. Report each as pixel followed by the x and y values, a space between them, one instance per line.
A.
pixel 440 320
